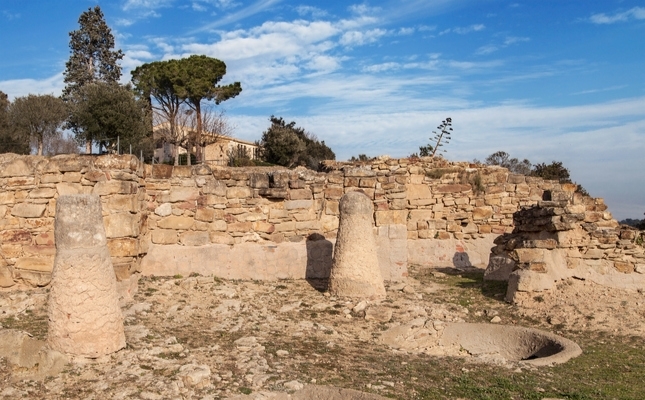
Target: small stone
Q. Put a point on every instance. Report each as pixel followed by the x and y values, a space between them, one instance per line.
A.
pixel 282 353
pixel 360 306
pixel 379 314
pixel 496 320
pixel 293 385
pixel 408 289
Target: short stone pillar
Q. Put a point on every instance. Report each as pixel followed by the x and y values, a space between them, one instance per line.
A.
pixel 355 270
pixel 84 315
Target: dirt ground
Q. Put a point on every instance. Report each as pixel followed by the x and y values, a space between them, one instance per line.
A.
pixel 200 337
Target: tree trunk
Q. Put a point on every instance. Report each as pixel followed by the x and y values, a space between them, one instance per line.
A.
pixel 40 147
pixel 198 139
pixel 88 147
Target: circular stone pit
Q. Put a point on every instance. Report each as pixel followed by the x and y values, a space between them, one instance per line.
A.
pixel 510 343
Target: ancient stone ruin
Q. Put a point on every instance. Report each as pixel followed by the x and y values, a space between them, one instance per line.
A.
pixel 274 223
pixel 355 270
pixel 565 235
pixel 84 314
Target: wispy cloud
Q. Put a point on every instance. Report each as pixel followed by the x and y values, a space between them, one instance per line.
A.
pixel 491 48
pixel 10 16
pixel 146 4
pixel 315 12
pixel 464 30
pixel 633 13
pixel 607 89
pixel 255 8
pixel 359 38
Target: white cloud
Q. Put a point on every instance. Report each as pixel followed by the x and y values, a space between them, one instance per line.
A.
pixel 358 38
pixel 315 12
pixel 146 4
pixel 376 68
pixel 633 13
pixel 514 39
pixel 487 49
pixel 124 22
pixel 22 87
pixel 406 31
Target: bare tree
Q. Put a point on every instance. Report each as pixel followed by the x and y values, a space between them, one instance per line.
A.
pixel 214 127
pixel 172 128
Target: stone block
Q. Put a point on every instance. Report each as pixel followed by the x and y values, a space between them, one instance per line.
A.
pixel 240 227
pixel 176 222
pixel 122 225
pixel 300 194
pixel 72 177
pixel 42 193
pixel 367 182
pixel 421 191
pixel 452 188
pixel 122 202
pixel 40 250
pixel 298 204
pixel 259 180
pixel 182 171
pixel 238 192
pixel 44 239
pixel 163 210
pixel 164 236
pixel 264 227
pixel 360 172
pixel 205 214
pixel 221 238
pixel 7 197
pixel 308 226
pixel 192 238
pixel 16 167
pixel 285 227
pixel 66 188
pixel 480 213
pixel 419 215
pixel 181 194
pixel 624 266
pixel 28 210
pixel 115 187
pixel 333 193
pixel 15 236
pixel 391 217
pixel 35 264
pixel 123 247
pixel 528 255
pixel 6 275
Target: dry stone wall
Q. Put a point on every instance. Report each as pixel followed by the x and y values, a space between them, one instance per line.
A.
pixel 29 187
pixel 261 223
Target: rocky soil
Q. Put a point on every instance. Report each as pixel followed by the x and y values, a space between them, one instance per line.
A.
pixel 200 337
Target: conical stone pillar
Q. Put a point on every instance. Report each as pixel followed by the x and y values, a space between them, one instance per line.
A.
pixel 355 271
pixel 84 315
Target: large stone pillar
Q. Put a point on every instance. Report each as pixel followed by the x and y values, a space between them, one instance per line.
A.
pixel 84 314
pixel 355 269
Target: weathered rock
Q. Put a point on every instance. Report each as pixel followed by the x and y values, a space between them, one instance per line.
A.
pixel 355 269
pixel 28 357
pixel 84 314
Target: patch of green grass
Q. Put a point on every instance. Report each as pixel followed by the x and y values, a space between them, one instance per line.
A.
pixel 245 390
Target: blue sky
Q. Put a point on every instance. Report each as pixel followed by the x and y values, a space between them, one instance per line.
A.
pixel 545 80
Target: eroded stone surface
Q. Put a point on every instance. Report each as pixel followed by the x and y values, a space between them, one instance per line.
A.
pixel 355 270
pixel 84 314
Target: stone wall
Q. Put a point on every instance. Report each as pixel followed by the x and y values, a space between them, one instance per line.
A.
pixel 29 187
pixel 566 235
pixel 262 223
